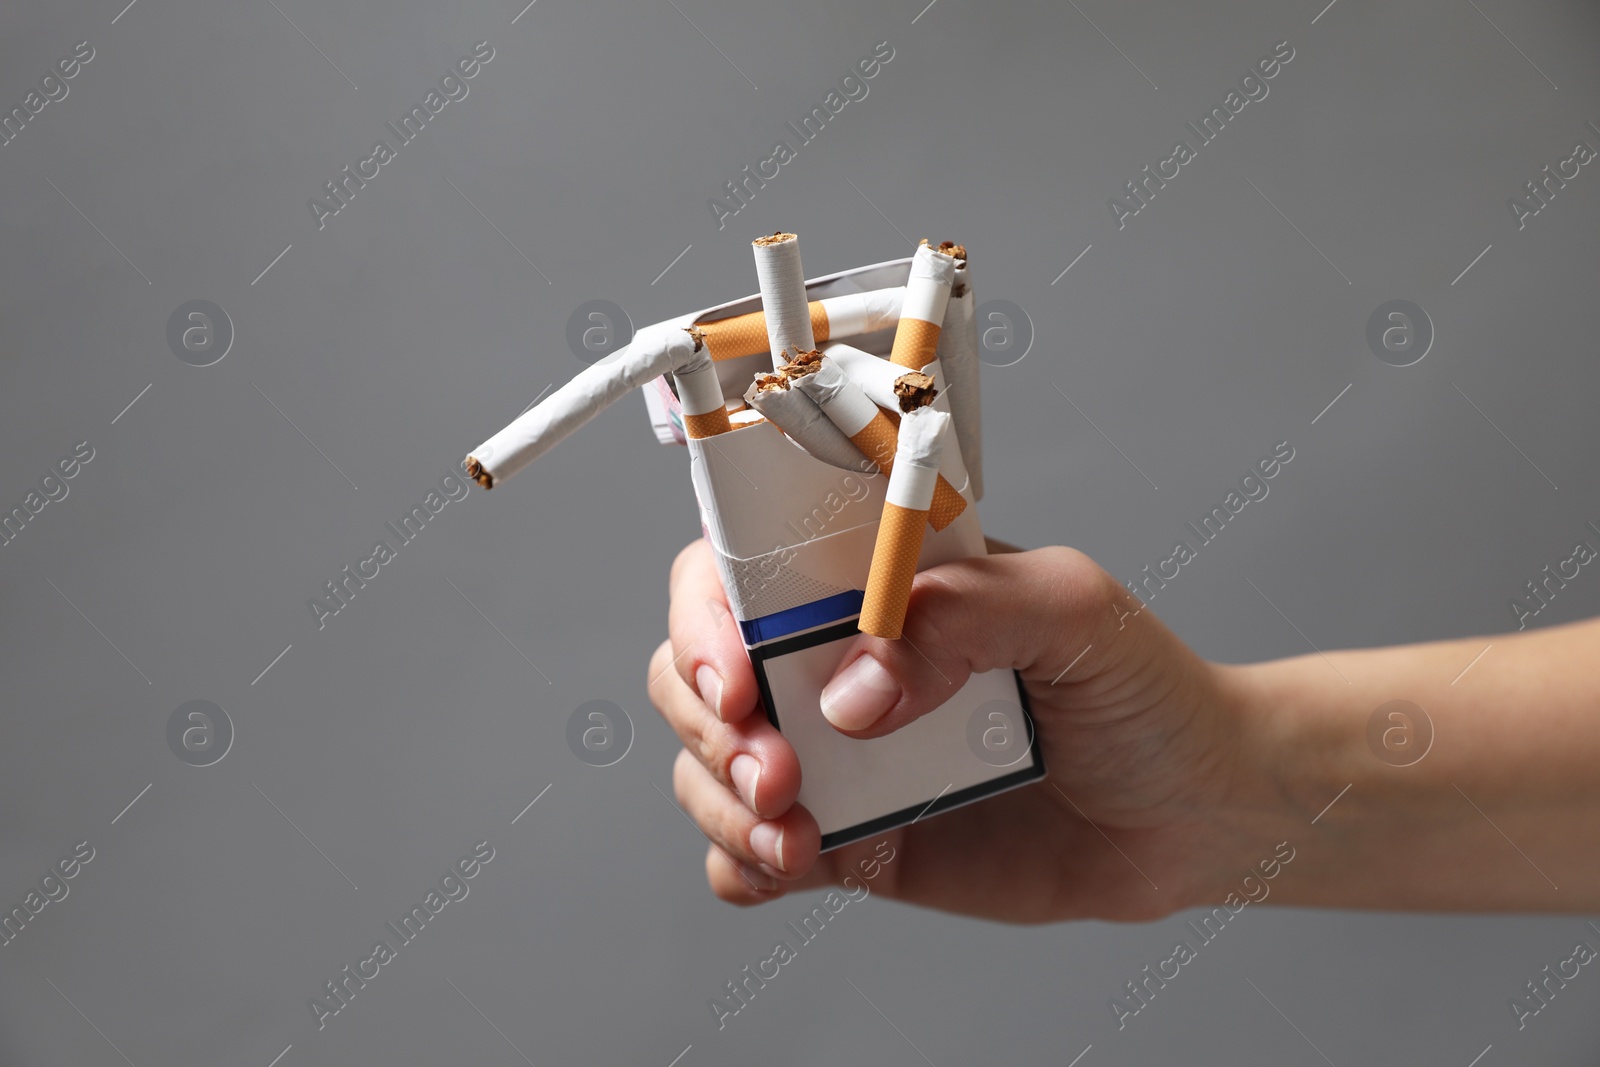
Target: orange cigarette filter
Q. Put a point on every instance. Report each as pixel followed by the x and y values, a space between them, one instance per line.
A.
pixel 900 529
pixel 922 312
pixel 745 335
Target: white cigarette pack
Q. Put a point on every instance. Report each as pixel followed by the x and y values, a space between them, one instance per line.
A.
pixel 793 538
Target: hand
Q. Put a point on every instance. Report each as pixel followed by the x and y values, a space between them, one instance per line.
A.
pixel 1143 811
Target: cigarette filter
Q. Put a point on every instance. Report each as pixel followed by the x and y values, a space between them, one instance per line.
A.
pixel 959 364
pixel 922 311
pixel 799 417
pixel 905 512
pixel 654 351
pixel 783 295
pixel 832 316
pixel 874 433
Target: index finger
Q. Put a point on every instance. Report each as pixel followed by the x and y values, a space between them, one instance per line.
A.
pixel 708 652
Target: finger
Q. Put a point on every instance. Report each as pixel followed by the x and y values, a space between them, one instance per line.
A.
pixel 707 650
pixel 738 883
pixel 749 756
pixel 1030 611
pixel 785 847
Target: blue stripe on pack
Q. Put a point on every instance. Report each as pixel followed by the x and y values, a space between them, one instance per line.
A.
pixel 805 617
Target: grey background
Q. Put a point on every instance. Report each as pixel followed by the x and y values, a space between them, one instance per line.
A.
pixel 408 329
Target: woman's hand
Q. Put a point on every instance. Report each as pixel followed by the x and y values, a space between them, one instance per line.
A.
pixel 1143 811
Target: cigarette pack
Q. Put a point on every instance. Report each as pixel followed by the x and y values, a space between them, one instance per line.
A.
pixel 793 538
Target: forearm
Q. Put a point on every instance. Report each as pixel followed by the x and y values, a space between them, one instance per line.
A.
pixel 1501 811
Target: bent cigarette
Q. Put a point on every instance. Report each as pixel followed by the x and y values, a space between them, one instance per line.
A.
pixel 958 362
pixel 873 432
pixel 705 412
pixel 905 510
pixel 798 416
pixel 783 295
pixel 654 351
pixel 876 376
pixel 922 311
pixel 849 315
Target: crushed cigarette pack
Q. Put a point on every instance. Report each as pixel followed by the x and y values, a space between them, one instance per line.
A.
pixel 794 535
pixel 793 538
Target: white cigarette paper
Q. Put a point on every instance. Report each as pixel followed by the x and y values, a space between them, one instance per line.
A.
pixel 842 400
pixel 783 295
pixel 798 416
pixel 654 351
pixel 874 374
pixel 854 314
pixel 916 467
pixel 959 363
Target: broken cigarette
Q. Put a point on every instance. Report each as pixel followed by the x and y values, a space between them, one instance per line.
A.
pixel 654 351
pixel 877 377
pixel 958 364
pixel 705 412
pixel 873 432
pixel 798 416
pixel 905 510
pixel 849 315
pixel 922 310
pixel 783 295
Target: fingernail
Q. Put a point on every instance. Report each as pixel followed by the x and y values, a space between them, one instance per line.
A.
pixel 710 684
pixel 859 695
pixel 745 770
pixel 766 841
pixel 759 879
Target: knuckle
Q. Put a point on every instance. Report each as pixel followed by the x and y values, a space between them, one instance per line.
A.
pixel 1075 583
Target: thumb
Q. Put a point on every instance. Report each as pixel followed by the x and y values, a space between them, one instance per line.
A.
pixel 1035 612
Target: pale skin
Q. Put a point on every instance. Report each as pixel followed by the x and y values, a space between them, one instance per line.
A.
pixel 1171 778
